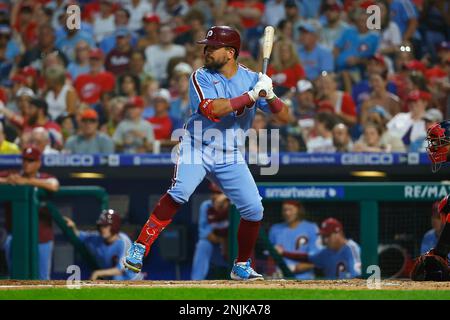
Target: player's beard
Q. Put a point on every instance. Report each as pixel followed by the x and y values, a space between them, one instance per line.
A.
pixel 215 65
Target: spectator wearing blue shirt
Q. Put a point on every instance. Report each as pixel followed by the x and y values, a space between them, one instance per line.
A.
pixel 295 236
pixel 314 57
pixel 108 246
pixel 81 63
pixel 121 21
pixel 404 14
pixel 356 45
pixel 211 246
pixel 68 42
pixel 341 257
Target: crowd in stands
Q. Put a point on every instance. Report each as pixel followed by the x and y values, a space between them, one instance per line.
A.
pixel 120 82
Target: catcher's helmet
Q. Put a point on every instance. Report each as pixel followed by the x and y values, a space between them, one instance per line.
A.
pixel 438 138
pixel 222 36
pixel 111 218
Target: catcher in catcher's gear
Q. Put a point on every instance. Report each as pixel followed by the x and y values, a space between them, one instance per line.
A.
pixel 433 265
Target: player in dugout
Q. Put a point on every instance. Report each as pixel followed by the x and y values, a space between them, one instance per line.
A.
pixel 296 235
pixel 433 265
pixel 223 98
pixel 212 244
pixel 108 246
pixel 340 258
pixel 30 175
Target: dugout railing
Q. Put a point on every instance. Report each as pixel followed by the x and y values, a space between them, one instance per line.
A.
pixel 25 202
pixel 370 206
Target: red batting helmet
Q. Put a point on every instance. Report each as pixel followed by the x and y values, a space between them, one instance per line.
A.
pixel 222 36
pixel 438 138
pixel 111 218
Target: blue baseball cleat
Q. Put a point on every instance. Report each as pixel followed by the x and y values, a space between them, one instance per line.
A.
pixel 244 271
pixel 135 255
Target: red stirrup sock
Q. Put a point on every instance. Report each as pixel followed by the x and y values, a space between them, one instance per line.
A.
pixel 159 219
pixel 247 236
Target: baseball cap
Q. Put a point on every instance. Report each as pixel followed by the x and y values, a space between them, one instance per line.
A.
pixel 89 114
pixel 149 17
pixel 25 91
pixel 435 72
pixel 183 67
pixel 309 27
pixel 433 115
pixel 381 111
pixel 415 65
pixel 304 85
pixel 163 94
pixel 122 32
pixel 135 102
pixel 96 53
pixel 418 95
pixel 378 58
pixel 28 71
pixel 31 153
pixel 329 226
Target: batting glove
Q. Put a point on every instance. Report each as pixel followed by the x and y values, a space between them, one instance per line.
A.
pixel 264 83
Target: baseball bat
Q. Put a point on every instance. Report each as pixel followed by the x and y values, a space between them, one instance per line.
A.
pixel 267 50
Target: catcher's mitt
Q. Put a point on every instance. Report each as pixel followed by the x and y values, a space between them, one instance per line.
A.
pixel 430 267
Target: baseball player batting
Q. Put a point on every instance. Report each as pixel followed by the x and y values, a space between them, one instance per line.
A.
pixel 223 97
pixel 433 265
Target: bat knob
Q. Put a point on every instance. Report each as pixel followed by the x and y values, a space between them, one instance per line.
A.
pixel 262 93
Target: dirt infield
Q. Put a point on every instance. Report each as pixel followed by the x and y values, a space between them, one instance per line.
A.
pixel 356 284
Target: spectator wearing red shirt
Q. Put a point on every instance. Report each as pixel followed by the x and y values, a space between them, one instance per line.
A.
pixel 344 106
pixel 118 60
pixel 163 124
pixel 25 24
pixel 249 11
pixel 30 175
pixel 285 69
pixel 90 86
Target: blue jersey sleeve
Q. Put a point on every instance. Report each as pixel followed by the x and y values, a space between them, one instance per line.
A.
pixel 318 259
pixel 87 236
pixel 204 228
pixel 200 88
pixel 314 245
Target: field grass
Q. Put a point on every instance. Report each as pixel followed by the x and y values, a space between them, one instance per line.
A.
pixel 218 294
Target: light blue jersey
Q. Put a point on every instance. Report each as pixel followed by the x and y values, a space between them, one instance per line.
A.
pixel 215 153
pixel 342 264
pixel 354 44
pixel 316 61
pixel 207 84
pixel 109 255
pixel 301 239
